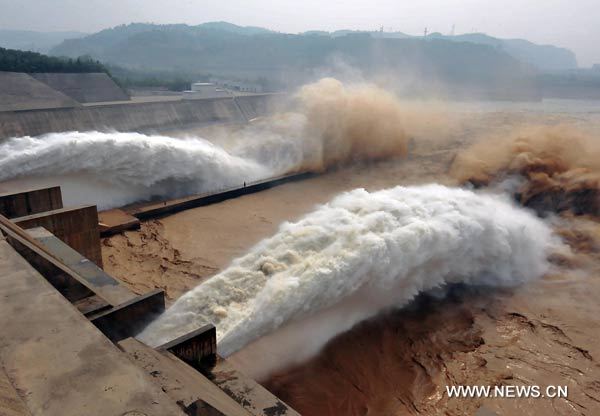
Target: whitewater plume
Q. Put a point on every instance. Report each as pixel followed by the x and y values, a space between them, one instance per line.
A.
pixel 329 124
pixel 111 169
pixel 357 255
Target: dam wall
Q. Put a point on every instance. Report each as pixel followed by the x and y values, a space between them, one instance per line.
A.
pixel 135 116
pixel 253 106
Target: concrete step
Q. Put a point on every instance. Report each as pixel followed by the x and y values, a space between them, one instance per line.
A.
pixel 251 395
pixel 76 226
pixel 181 382
pixel 96 279
pixel 114 221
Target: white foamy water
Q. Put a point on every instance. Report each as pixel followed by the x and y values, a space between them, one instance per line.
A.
pixel 112 169
pixel 355 256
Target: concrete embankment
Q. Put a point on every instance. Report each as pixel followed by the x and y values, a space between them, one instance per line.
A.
pixel 145 117
pixel 19 91
pixel 84 88
pixel 253 106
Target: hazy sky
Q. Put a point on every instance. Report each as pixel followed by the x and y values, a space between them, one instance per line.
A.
pixel 570 23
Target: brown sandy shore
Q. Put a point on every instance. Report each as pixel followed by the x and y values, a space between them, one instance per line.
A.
pixel 545 333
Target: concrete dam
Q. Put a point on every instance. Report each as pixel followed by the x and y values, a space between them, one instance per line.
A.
pixel 136 116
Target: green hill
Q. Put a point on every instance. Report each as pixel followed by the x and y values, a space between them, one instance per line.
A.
pixel 32 62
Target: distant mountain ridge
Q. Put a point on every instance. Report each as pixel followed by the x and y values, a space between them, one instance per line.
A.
pixel 99 45
pixel 544 57
pixel 230 27
pixel 120 33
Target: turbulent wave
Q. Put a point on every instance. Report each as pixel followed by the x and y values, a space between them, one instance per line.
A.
pixel 359 254
pixel 548 168
pixel 353 123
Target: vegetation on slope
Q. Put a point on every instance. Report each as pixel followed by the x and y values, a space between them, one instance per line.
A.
pixel 12 60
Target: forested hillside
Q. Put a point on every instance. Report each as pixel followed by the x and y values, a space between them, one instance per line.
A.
pixel 12 60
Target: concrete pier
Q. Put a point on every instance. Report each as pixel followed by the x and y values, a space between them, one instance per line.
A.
pixel 196 393
pixel 77 227
pixel 30 201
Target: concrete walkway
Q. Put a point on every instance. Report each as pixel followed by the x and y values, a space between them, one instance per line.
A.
pixel 57 361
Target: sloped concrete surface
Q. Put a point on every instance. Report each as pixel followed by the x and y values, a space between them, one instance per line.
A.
pixel 84 88
pixel 19 91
